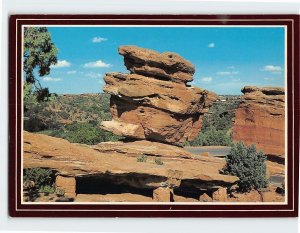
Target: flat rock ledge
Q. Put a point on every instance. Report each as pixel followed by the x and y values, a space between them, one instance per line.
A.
pixel 117 165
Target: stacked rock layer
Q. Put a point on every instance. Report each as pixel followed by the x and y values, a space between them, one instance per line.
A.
pixel 154 102
pixel 260 120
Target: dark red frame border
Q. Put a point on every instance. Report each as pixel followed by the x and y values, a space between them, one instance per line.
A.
pixel 17 209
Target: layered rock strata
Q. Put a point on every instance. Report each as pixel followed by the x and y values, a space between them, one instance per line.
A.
pixel 81 165
pixel 153 102
pixel 163 66
pixel 260 120
pixel 94 173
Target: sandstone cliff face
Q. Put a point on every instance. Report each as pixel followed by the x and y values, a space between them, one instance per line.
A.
pixel 260 120
pixel 154 102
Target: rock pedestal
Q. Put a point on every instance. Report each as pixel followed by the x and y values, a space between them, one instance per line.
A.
pixel 154 102
pixel 66 185
pixel 162 194
pixel 220 195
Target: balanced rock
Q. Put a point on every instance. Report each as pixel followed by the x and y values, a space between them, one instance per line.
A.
pixel 164 66
pixel 153 108
pixel 260 120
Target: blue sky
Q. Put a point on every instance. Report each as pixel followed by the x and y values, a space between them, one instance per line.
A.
pixel 226 59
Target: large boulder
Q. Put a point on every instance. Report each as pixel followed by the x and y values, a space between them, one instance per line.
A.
pixel 146 106
pixel 260 120
pixel 164 66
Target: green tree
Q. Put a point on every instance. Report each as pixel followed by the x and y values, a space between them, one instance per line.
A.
pixel 39 54
pixel 248 165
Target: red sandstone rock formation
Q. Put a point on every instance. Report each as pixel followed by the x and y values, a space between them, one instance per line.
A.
pixel 163 66
pixel 154 102
pixel 260 120
pixel 119 166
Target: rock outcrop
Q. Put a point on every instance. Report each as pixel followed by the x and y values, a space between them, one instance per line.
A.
pixel 118 168
pixel 163 66
pixel 260 120
pixel 153 102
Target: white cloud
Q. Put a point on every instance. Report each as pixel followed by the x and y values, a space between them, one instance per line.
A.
pixel 269 79
pixel 211 45
pixel 236 80
pixel 97 64
pixel 72 72
pixel 206 79
pixel 50 79
pixel 272 68
pixel 224 73
pixel 61 63
pixel 93 75
pixel 98 39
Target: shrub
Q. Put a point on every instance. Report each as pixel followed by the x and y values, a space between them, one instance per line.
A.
pixel 248 165
pixel 64 115
pixel 60 192
pixel 221 115
pixel 212 137
pixel 40 176
pixel 86 133
pixel 158 161
pixel 142 158
pixel 47 189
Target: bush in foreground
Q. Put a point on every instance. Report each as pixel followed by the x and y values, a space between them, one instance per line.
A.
pixel 248 165
pixel 40 176
pixel 38 180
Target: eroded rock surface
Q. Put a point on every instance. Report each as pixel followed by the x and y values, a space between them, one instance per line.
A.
pixel 260 120
pixel 154 102
pixel 165 66
pixel 143 147
pixel 119 167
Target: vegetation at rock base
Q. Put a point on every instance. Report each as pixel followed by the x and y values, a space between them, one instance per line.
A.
pixel 212 137
pixel 158 161
pixel 220 115
pixel 38 180
pixel 142 158
pixel 248 165
pixel 40 176
pixel 217 124
pixel 39 54
pixel 86 133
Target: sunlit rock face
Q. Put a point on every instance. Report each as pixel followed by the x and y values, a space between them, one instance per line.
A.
pixel 154 102
pixel 260 120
